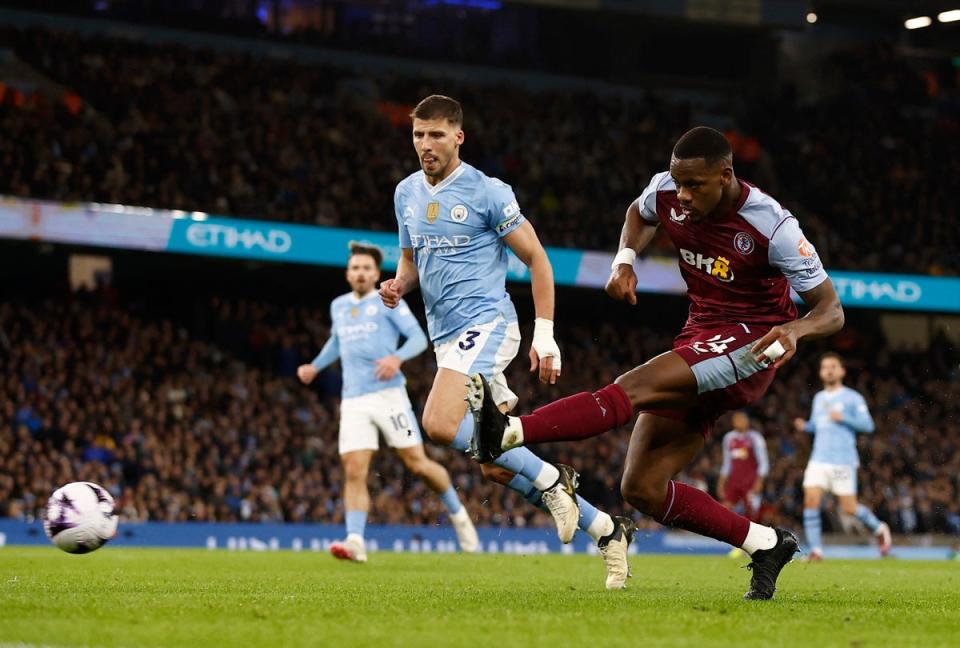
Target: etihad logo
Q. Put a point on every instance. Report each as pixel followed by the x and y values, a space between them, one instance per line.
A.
pixel 677 218
pixel 715 267
pixel 353 330
pixel 439 241
pixel 205 235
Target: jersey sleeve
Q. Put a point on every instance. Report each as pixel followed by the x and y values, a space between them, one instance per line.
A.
pixel 792 254
pixel 647 202
pixel 725 466
pixel 760 450
pixel 401 226
pixel 503 211
pixel 330 352
pixel 859 416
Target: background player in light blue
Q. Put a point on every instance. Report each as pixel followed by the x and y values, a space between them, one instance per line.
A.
pixel 455 227
pixel 364 336
pixel 839 414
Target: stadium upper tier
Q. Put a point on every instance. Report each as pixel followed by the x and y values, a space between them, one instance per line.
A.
pixel 232 133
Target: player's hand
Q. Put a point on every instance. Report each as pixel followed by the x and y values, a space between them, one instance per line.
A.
pixel 387 367
pixel 799 425
pixel 544 352
pixel 836 416
pixel 391 291
pixel 306 373
pixel 622 284
pixel 786 336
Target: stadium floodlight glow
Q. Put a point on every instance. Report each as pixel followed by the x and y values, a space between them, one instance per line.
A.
pixel 811 17
pixel 918 22
pixel 949 16
pixel 198 216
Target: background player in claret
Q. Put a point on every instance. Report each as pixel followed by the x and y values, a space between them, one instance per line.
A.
pixel 839 414
pixel 745 464
pixel 740 253
pixel 364 336
pixel 456 225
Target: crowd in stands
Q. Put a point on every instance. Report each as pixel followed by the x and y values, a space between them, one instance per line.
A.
pixel 194 413
pixel 262 137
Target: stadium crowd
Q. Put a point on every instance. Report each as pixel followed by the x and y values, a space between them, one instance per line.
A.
pixel 253 136
pixel 194 413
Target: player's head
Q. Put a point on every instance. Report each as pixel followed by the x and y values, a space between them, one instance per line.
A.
pixel 832 370
pixel 437 134
pixel 702 168
pixel 741 422
pixel 363 267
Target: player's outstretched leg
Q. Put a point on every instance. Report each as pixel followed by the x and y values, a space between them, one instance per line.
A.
pixel 659 448
pixel 664 381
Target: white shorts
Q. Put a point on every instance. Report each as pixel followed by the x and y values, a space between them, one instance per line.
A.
pixel 839 479
pixel 484 349
pixel 387 411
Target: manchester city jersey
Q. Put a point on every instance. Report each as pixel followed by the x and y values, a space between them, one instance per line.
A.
pixel 456 231
pixel 365 331
pixel 835 442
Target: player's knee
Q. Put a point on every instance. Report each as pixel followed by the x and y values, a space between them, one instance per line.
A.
pixel 645 494
pixel 496 474
pixel 418 467
pixel 438 428
pixel 636 386
pixel 355 472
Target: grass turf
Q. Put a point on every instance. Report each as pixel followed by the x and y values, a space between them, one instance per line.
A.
pixel 153 597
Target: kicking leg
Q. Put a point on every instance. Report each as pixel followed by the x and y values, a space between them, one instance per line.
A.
pixel 663 382
pixel 659 448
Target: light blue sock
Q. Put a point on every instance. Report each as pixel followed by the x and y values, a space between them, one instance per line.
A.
pixel 812 528
pixel 866 516
pixel 461 442
pixel 521 461
pixel 451 500
pixel 356 522
pixel 522 485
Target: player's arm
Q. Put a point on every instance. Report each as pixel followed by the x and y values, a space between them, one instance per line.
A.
pixel 724 467
pixel 859 418
pixel 791 253
pixel 638 230
pixel 414 344
pixel 406 280
pixel 329 354
pixel 544 351
pixel 763 461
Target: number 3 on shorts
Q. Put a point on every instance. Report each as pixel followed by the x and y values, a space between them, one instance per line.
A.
pixel 467 342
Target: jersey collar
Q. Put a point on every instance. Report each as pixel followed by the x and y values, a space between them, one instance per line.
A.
pixel 356 300
pixel 446 182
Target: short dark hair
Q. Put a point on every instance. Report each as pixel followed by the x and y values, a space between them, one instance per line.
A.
pixel 437 106
pixel 370 250
pixel 703 142
pixel 836 356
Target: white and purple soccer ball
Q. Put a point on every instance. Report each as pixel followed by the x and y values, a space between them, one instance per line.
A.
pixel 80 517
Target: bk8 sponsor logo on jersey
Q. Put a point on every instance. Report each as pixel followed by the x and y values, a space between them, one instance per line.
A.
pixel 716 267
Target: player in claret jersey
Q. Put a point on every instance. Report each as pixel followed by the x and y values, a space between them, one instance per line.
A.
pixel 740 252
pixel 745 464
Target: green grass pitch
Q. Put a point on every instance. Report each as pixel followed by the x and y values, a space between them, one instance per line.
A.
pixel 154 597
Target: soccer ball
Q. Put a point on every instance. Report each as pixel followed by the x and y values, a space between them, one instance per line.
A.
pixel 80 517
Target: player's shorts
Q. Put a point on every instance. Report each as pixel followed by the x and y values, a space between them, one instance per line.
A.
pixel 387 412
pixel 839 479
pixel 485 349
pixel 728 375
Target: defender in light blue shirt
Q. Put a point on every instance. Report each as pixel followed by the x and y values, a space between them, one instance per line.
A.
pixel 839 414
pixel 364 336
pixel 456 225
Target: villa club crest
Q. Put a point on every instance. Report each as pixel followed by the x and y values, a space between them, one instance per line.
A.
pixel 743 242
